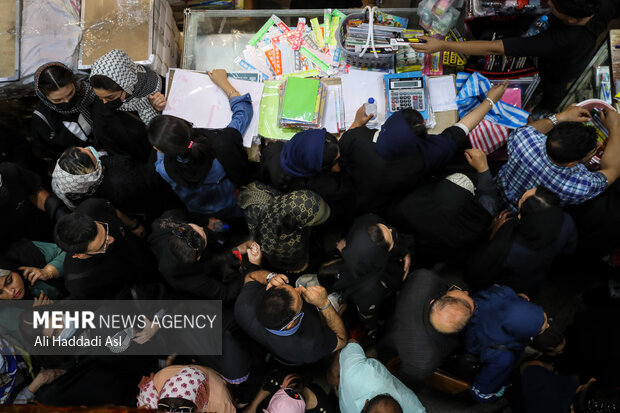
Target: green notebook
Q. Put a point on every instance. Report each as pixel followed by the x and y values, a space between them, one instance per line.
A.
pixel 268 113
pixel 300 96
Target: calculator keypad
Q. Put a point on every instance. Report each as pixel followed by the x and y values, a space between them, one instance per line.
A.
pixel 404 99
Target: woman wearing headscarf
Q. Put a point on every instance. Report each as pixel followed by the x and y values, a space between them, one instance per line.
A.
pixel 448 215
pixel 205 167
pixel 129 98
pixel 281 224
pixel 191 388
pixel 83 173
pixel 522 248
pixel 309 161
pixel 501 327
pixel 385 165
pixel 376 260
pixel 62 117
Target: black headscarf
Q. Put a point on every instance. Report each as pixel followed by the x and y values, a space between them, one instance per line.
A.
pixel 187 172
pixel 84 94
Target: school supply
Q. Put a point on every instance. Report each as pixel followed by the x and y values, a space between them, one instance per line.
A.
pixel 302 103
pixel 269 106
pixel 406 91
pixel 596 106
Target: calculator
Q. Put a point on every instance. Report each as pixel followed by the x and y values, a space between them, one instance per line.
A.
pixel 406 91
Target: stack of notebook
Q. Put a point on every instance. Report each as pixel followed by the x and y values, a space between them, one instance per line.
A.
pixel 302 101
pixel 602 134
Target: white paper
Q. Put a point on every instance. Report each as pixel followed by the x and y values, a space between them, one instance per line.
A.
pixel 357 87
pixel 195 98
pixel 442 93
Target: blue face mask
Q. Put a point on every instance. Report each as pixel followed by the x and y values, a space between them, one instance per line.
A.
pixel 94 152
pixel 291 331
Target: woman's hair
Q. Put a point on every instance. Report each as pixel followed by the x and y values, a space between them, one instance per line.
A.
pixel 548 340
pixel 542 199
pixel 185 244
pixel 173 136
pixel 105 83
pixel 76 162
pixel 377 237
pixel 416 122
pixel 54 78
pixel 330 151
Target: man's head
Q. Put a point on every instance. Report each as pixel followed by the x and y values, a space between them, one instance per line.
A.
pixel 279 308
pixel 82 236
pixel 574 12
pixel 383 403
pixel 451 312
pixel 187 242
pixel 382 235
pixel 570 143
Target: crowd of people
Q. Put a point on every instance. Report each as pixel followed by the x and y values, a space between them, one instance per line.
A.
pixel 324 253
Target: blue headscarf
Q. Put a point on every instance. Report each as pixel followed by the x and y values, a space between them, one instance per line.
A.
pixel 302 156
pixel 502 319
pixel 396 139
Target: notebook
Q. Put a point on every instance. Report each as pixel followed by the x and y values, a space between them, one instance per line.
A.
pixel 300 99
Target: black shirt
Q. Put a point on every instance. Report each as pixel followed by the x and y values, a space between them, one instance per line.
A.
pixel 309 344
pixel 125 261
pixel 421 348
pixel 563 50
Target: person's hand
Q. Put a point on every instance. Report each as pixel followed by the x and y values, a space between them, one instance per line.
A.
pixel 45 376
pixel 611 119
pixel 158 101
pixel 212 222
pixel 477 159
pixel 33 274
pixel 525 297
pixel 500 220
pixel 315 295
pixel 255 255
pixel 573 113
pixel 140 231
pixel 360 118
pixel 430 45
pixel 406 260
pixel 277 280
pixel 341 244
pixel 497 91
pixel 42 300
pixel 146 333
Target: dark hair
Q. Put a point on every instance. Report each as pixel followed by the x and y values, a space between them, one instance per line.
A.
pixel 376 236
pixel 173 404
pixel 542 199
pixel 577 8
pixel 382 399
pixel 416 122
pixel 186 244
pixel 105 83
pixel 448 300
pixel 54 78
pixel 330 151
pixel 275 308
pixel 76 162
pixel 570 142
pixel 74 232
pixel 172 136
pixel 598 397
pixel 547 340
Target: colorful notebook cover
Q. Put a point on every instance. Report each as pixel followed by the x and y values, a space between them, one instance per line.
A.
pixel 300 99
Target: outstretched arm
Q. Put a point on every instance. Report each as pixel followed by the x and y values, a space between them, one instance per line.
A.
pixel 472 47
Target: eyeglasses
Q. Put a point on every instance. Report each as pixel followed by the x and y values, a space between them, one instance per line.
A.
pixel 104 247
pixel 167 408
pixel 298 316
pixel 185 234
pixel 454 287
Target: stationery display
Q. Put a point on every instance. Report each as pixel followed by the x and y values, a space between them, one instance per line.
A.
pixel 596 106
pixel 301 103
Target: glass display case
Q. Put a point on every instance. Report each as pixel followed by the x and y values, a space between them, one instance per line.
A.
pixel 213 38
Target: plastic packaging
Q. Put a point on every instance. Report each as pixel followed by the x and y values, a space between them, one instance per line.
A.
pixel 538 26
pixel 370 108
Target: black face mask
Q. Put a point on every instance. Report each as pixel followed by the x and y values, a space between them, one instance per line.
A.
pixel 114 104
pixel 72 103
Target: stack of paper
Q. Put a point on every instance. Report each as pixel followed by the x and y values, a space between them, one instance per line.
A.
pixel 302 103
pixel 442 93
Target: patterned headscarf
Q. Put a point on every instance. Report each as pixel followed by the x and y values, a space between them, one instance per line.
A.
pixel 85 94
pixel 189 384
pixel 73 188
pixel 138 81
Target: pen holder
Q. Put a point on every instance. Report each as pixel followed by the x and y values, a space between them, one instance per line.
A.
pixel 368 59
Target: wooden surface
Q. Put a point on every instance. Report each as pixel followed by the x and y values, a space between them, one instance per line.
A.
pixel 7 38
pixel 108 27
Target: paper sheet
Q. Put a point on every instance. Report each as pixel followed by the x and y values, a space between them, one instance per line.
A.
pixel 442 93
pixel 268 120
pixel 357 87
pixel 195 98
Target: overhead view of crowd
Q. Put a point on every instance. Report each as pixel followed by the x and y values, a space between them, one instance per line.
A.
pixel 330 255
